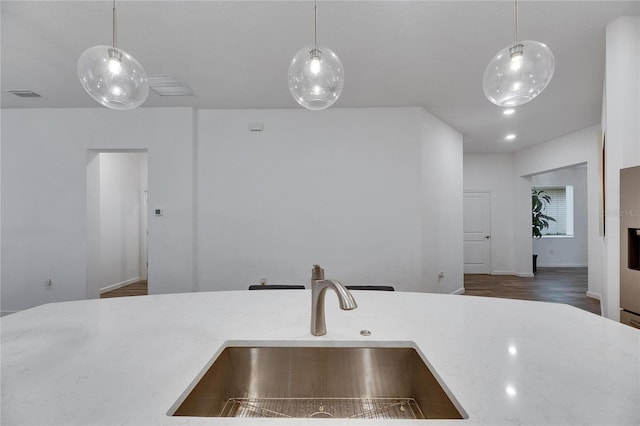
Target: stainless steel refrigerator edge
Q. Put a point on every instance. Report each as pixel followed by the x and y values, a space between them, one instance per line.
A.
pixel 630 246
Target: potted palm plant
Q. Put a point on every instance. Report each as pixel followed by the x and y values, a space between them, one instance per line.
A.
pixel 539 220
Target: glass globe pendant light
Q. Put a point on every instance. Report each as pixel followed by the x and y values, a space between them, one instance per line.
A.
pixel 113 77
pixel 518 73
pixel 316 76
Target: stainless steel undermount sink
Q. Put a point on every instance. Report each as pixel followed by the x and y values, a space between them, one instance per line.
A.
pixel 319 381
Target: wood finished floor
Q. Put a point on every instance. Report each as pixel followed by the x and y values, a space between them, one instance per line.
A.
pixel 136 289
pixel 560 285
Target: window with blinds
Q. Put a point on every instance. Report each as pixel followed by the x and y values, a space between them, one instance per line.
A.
pixel 561 209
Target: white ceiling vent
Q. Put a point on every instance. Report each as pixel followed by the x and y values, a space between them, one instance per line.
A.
pixel 25 93
pixel 168 85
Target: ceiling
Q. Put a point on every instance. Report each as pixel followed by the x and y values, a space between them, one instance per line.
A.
pixel 235 54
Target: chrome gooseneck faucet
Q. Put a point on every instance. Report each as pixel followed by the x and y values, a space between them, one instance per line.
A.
pixel 319 288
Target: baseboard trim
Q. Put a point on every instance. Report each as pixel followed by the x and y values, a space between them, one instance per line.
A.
pixel 503 273
pixel 515 274
pixel 118 285
pixel 525 274
pixel 459 291
pixel 562 265
pixel 594 295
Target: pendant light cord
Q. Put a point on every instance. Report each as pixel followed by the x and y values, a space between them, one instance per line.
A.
pixel 515 17
pixel 115 27
pixel 315 23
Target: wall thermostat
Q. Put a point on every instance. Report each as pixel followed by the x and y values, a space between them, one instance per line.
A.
pixel 158 212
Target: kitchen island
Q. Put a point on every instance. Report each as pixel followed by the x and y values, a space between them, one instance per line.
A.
pixel 127 361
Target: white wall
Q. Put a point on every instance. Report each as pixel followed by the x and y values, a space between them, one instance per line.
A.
pixel 340 188
pixel 442 211
pixel 561 251
pixel 120 191
pixel 44 197
pixel 1 186
pixel 93 225
pixel 144 216
pixel 373 195
pixel 622 129
pixel 493 173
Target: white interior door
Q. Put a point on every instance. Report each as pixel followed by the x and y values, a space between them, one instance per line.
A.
pixel 477 233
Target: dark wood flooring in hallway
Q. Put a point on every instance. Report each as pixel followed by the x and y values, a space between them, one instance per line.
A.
pixel 559 285
pixel 136 289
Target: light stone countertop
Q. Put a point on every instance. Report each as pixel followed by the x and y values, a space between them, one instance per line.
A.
pixel 126 361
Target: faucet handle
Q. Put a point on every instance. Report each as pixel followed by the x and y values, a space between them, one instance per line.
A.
pixel 317 273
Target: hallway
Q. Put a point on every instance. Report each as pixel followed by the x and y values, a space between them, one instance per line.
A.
pixel 559 285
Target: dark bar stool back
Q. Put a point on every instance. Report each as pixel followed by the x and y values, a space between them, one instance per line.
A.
pixel 275 287
pixel 371 287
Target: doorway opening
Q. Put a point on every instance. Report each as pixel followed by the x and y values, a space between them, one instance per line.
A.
pixel 564 242
pixel 117 218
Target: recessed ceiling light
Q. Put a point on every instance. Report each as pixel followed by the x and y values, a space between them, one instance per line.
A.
pixel 508 111
pixel 510 137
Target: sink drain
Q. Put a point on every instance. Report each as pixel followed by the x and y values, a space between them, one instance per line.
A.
pixel 321 415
